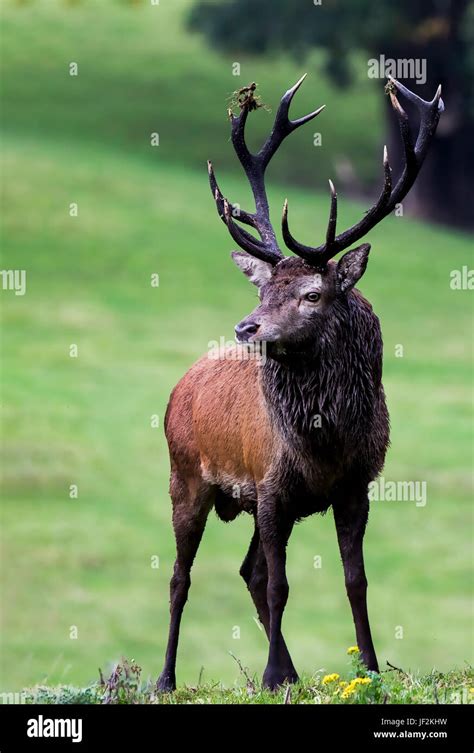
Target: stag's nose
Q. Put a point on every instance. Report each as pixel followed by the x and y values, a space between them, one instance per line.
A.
pixel 245 329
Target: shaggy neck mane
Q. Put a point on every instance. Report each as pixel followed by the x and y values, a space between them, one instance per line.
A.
pixel 325 396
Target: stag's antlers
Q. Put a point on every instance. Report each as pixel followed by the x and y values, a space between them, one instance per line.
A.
pixel 255 165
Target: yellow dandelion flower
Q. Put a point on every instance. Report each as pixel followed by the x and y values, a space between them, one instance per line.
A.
pixel 361 680
pixel 350 689
pixel 353 650
pixel 330 678
pixel 343 684
pixel 347 692
pixel 471 690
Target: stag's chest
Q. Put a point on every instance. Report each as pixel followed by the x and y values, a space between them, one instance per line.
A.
pixel 309 478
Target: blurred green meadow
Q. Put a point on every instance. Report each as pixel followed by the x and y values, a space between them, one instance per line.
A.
pixel 83 566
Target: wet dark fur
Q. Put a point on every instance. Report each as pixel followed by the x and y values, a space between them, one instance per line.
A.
pixel 340 381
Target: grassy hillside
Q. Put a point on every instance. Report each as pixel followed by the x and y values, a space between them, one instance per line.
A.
pixel 82 567
pixel 86 562
pixel 140 72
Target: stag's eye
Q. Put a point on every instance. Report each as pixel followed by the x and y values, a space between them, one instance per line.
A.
pixel 313 297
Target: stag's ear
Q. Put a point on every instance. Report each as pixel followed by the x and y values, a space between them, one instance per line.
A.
pixel 351 267
pixel 256 270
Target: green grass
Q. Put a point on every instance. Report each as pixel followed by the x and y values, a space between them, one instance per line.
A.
pixel 86 562
pixel 140 72
pixel 355 686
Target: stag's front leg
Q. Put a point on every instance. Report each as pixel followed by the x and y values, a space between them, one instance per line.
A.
pixel 350 514
pixel 275 528
pixel 255 573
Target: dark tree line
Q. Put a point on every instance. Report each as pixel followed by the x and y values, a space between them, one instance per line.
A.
pixel 439 32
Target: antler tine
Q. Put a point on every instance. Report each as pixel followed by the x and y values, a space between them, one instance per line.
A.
pixel 290 242
pixel 373 216
pixel 415 154
pixel 237 232
pixel 331 231
pixel 243 216
pixel 307 252
pixel 247 241
pixel 283 126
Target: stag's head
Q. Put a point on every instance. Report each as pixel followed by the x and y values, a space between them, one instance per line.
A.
pixel 296 299
pixel 299 293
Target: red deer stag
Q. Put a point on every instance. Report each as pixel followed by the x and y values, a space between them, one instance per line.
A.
pixel 250 425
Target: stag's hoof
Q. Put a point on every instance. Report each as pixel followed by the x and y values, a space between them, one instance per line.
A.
pixel 273 679
pixel 166 683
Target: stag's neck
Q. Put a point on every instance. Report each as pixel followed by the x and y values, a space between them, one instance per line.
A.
pixel 326 397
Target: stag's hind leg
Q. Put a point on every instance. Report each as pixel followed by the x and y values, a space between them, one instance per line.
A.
pixel 192 500
pixel 255 574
